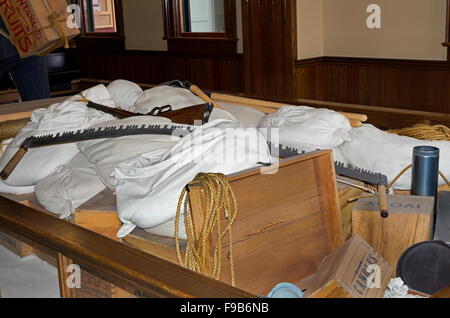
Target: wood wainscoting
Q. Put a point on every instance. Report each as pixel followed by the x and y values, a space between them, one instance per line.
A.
pixel 402 84
pixel 406 84
pixel 210 72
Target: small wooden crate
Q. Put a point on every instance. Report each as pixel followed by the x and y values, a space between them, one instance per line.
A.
pixel 410 221
pixel 287 222
pixel 91 285
pixel 14 243
pixel 345 273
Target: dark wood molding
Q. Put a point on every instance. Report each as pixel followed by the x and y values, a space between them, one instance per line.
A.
pixel 309 61
pixel 209 71
pixel 199 46
pixel 422 85
pixel 270 48
pixel 197 43
pixel 447 31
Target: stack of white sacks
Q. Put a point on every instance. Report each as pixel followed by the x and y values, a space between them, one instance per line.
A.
pixel 148 172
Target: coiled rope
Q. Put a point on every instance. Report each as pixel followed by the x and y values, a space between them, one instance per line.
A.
pixel 424 132
pixel 220 201
pixel 9 129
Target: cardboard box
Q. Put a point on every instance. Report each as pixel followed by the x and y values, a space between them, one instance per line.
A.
pixel 31 28
pixel 350 272
pixel 410 221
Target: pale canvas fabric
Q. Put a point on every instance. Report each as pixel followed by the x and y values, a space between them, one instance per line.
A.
pixel 373 149
pixel 149 186
pixel 40 162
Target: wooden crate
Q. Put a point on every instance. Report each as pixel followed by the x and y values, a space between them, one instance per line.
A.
pixel 410 221
pixel 287 222
pixel 345 273
pixel 300 213
pixel 346 192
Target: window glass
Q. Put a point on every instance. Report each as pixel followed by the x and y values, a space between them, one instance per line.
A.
pixel 203 16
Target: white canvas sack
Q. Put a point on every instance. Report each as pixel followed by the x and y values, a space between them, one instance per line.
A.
pixel 302 125
pixel 38 163
pixel 165 95
pixel 247 116
pixel 379 151
pixel 124 93
pixel 106 154
pixel 148 187
pixel 69 187
pixel 4 188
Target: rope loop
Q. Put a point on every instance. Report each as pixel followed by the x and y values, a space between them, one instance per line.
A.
pixel 220 202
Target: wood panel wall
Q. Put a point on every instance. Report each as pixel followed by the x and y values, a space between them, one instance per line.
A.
pixel 405 84
pixel 211 72
pixel 270 49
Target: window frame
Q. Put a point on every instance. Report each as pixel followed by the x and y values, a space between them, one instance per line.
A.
pixel 108 40
pixel 447 32
pixel 199 42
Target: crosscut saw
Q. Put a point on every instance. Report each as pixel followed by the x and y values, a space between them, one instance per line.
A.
pixel 375 179
pixel 93 134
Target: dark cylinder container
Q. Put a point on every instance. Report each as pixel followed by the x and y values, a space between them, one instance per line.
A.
pixel 425 174
pixel 425 171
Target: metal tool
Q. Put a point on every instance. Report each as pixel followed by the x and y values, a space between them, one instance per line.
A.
pixel 377 179
pixel 193 88
pixel 92 134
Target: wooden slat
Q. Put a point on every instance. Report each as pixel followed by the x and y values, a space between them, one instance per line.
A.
pixel 15 111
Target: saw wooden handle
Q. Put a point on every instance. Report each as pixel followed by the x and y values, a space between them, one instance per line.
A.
pixel 12 164
pixel 197 91
pixel 382 197
pixel 268 107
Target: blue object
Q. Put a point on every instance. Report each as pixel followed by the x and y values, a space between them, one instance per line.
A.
pixel 425 171
pixel 425 174
pixel 6 48
pixel 286 290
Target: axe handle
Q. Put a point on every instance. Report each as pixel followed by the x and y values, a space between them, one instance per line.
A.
pixel 383 201
pixel 9 168
pixel 197 91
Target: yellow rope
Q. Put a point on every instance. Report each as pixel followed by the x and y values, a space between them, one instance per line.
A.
pixel 9 129
pixel 220 200
pixel 424 132
pixel 394 181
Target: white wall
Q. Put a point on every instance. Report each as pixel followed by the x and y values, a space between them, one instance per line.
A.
pixel 144 25
pixel 410 29
pixel 310 28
